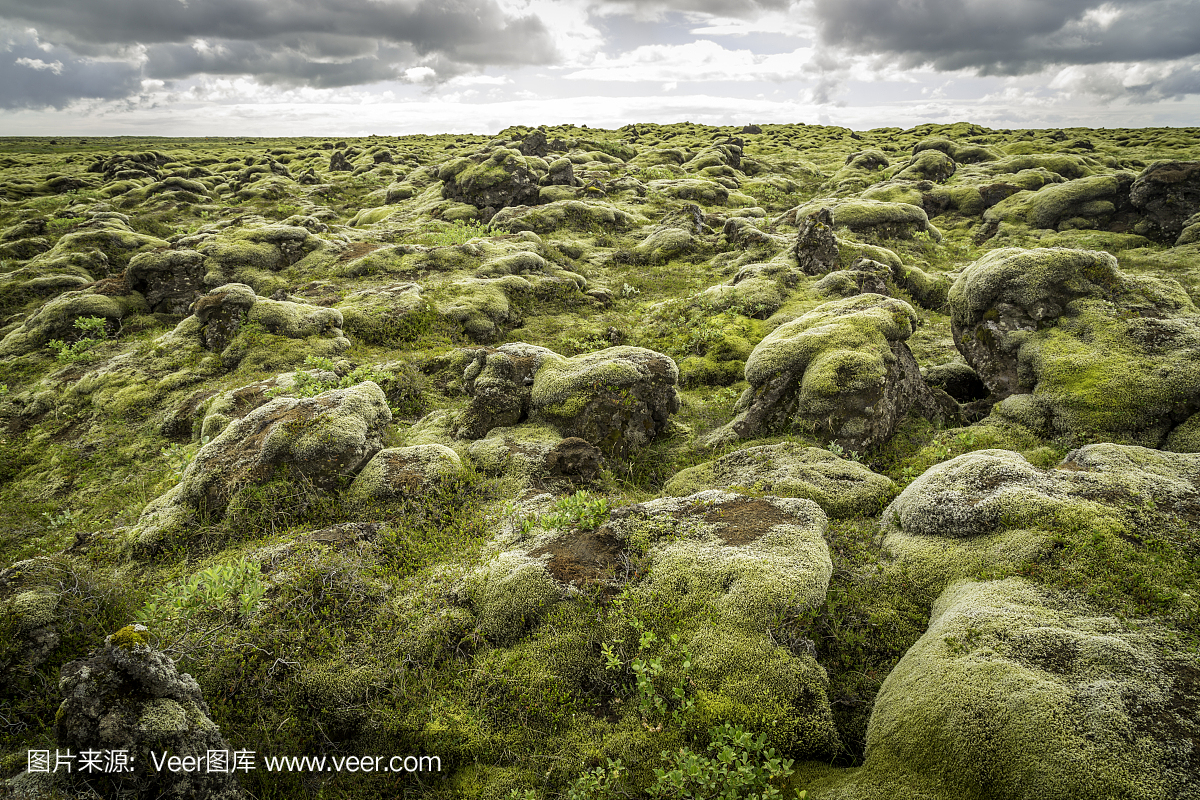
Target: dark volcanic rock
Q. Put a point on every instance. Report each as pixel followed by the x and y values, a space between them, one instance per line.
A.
pixel 1166 194
pixel 816 248
pixel 129 697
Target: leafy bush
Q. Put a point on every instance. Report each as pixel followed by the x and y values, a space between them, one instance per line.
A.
pixel 94 332
pixel 237 584
pixel 735 766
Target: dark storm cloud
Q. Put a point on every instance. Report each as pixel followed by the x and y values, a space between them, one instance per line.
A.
pixel 321 43
pixel 32 76
pixel 470 31
pixel 1012 37
pixel 278 63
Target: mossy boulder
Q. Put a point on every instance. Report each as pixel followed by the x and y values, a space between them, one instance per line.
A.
pixel 564 214
pixel 56 318
pixel 405 472
pixel 704 192
pixel 1092 202
pixel 494 180
pixel 537 453
pixel 1166 193
pixel 109 235
pixel 724 564
pixel 1085 347
pixel 500 383
pixel 129 696
pixel 992 508
pixel 865 276
pixel 1015 692
pixel 387 314
pixel 171 280
pixel 224 407
pixel 221 319
pixel 756 291
pixel 247 254
pixel 618 399
pixel 928 165
pixel 30 620
pixel 875 218
pixel 842 488
pixel 841 372
pixel 324 440
pixel 816 246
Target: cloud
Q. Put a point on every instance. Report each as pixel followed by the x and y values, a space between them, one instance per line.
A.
pixel 701 60
pixel 1138 82
pixel 656 9
pixel 1012 37
pixel 34 74
pixel 320 43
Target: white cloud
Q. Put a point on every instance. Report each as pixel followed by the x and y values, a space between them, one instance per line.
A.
pixel 702 60
pixel 36 63
pixel 419 74
pixel 479 80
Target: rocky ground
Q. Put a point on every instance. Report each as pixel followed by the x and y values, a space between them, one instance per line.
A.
pixel 606 463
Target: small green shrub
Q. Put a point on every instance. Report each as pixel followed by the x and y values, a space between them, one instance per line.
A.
pixel 94 332
pixel 736 766
pixel 235 584
pixel 457 233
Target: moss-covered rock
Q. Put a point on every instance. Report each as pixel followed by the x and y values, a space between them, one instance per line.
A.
pixel 873 217
pixel 1091 202
pixel 500 383
pixel 928 165
pixel 618 399
pixel 171 281
pixel 840 487
pixel 1013 691
pixel 864 277
pixel 405 472
pixel 494 180
pixel 535 452
pixel 1167 193
pixel 1031 321
pixel 704 192
pixel 992 508
pixel 840 372
pixel 324 440
pixel 568 214
pixel 387 314
pixel 129 697
pixel 56 319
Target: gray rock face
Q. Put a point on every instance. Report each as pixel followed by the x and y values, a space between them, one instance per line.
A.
pixel 130 697
pixel 535 144
pixel 500 383
pixel 222 312
pixel 1166 194
pixel 816 247
pixel 170 281
pixel 339 163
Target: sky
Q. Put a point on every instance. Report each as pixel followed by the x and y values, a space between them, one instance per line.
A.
pixel 393 67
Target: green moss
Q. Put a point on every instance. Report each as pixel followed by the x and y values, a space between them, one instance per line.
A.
pixel 1003 691
pixel 130 637
pixel 842 488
